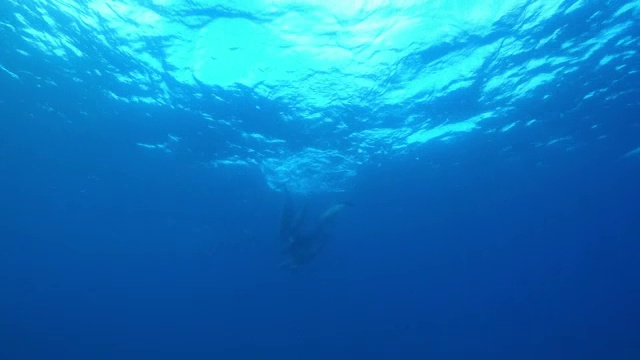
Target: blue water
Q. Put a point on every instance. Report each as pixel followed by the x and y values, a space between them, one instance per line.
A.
pixel 491 150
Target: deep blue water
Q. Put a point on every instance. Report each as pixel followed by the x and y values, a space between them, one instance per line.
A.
pixel 135 229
